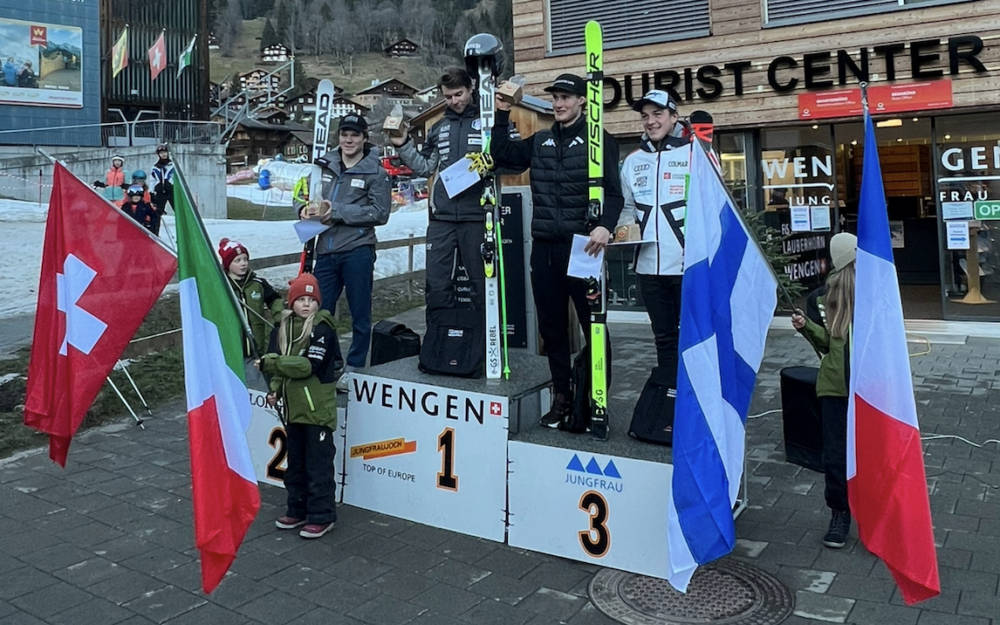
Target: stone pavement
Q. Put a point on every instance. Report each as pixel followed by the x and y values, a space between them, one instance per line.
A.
pixel 109 540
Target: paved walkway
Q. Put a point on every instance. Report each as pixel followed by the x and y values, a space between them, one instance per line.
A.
pixel 109 540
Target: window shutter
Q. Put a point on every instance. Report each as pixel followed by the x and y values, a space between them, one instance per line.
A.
pixel 779 12
pixel 626 22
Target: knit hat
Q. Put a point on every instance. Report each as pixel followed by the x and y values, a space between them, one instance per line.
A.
pixel 305 284
pixel 843 249
pixel 229 250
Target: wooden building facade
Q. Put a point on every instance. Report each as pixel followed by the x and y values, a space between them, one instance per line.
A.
pixel 781 79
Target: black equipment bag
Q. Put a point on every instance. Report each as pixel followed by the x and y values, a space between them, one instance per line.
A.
pixel 578 420
pixel 393 341
pixel 653 417
pixel 801 417
pixel 455 343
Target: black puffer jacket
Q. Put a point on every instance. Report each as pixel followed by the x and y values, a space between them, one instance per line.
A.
pixel 559 177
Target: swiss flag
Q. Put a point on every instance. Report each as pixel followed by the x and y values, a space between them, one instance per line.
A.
pixel 496 409
pixel 101 273
pixel 157 58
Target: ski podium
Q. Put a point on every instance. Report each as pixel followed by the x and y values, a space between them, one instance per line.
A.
pixel 468 454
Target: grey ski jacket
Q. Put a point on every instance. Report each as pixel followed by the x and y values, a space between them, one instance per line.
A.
pixel 361 198
pixel 449 139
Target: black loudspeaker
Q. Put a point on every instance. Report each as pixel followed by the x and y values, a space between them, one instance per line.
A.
pixel 393 341
pixel 801 417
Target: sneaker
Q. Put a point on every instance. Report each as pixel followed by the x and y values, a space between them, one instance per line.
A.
pixel 561 407
pixel 315 530
pixel 840 526
pixel 342 383
pixel 289 523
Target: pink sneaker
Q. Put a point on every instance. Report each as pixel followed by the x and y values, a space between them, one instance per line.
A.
pixel 314 530
pixel 289 523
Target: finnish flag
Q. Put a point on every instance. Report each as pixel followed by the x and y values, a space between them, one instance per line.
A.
pixel 728 297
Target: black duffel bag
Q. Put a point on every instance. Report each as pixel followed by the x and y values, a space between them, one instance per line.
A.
pixel 393 341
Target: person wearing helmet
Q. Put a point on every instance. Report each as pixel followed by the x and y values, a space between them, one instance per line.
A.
pixel 162 177
pixel 137 208
pixel 116 180
pixel 455 227
pixel 558 160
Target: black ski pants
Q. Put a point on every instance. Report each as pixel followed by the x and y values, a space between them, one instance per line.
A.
pixel 450 244
pixel 834 414
pixel 662 297
pixel 553 290
pixel 309 478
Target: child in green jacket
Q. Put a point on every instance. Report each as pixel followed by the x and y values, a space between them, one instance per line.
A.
pixel 300 361
pixel 261 303
pixel 827 326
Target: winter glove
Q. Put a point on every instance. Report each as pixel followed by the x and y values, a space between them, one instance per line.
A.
pixel 100 185
pixel 481 163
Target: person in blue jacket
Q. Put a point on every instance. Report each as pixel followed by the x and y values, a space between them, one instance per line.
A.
pixel 10 72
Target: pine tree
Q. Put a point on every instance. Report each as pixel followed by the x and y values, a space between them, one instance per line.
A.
pixel 270 36
pixel 284 19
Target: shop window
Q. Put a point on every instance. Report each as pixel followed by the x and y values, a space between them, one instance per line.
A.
pixel 800 198
pixel 785 12
pixel 967 154
pixel 625 22
pixel 731 148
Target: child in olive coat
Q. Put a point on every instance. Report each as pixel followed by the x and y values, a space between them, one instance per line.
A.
pixel 300 361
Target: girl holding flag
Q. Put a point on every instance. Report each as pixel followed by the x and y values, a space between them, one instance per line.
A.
pixel 827 326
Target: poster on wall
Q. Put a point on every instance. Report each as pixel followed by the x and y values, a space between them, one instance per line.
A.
pixel 41 64
pixel 429 454
pixel 603 510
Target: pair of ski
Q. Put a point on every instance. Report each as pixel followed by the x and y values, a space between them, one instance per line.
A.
pixel 492 248
pixel 321 137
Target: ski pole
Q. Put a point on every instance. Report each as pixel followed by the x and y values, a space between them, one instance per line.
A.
pixel 138 421
pixel 124 369
pixel 163 224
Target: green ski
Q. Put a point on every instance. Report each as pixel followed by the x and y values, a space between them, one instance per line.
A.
pixel 596 286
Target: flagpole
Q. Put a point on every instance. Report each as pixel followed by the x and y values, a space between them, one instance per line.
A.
pixel 247 332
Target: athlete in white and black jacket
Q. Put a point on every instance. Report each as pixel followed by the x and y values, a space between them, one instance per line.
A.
pixel 654 185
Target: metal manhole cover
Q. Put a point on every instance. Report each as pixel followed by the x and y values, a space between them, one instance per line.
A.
pixel 726 592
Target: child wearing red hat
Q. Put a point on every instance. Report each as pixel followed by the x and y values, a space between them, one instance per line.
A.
pixel 261 303
pixel 300 361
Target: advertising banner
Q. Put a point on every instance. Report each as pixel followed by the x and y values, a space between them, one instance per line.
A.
pixel 895 98
pixel 429 454
pixel 604 510
pixel 42 64
pixel 268 444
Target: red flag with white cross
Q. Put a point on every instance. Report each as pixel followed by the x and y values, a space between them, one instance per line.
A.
pixel 157 57
pixel 101 274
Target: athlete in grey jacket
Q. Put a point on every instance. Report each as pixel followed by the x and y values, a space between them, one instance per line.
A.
pixel 356 197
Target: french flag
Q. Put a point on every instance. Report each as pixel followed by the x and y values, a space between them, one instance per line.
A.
pixel 886 483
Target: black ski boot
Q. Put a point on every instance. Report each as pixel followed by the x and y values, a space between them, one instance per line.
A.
pixel 561 407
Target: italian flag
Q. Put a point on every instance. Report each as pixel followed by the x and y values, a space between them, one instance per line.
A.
pixel 224 486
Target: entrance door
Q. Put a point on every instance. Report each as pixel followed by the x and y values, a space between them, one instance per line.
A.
pixel 905 154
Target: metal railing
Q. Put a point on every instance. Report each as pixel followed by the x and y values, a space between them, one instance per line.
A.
pixel 119 134
pixel 172 338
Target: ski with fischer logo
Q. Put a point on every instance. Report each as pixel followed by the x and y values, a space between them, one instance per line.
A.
pixel 595 174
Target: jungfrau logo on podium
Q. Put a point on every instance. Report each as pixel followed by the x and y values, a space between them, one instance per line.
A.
pixel 592 475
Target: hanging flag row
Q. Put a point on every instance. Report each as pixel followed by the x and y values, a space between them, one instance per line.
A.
pixel 157 55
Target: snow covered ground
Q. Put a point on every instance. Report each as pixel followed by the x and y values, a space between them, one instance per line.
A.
pixel 22 231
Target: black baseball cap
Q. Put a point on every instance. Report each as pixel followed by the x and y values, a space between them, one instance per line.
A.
pixel 658 98
pixel 568 83
pixel 354 122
